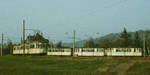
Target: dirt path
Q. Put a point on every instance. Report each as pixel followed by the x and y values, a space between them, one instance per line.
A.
pixel 122 68
pixel 119 68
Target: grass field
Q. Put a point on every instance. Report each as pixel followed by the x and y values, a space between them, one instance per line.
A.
pixel 46 65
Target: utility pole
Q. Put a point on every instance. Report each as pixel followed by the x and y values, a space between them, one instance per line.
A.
pixel 74 41
pixel 2 44
pixel 23 36
pixel 144 44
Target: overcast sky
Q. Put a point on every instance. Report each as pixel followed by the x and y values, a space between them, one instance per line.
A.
pixel 56 17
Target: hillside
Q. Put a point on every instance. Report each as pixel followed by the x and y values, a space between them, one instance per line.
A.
pixel 113 36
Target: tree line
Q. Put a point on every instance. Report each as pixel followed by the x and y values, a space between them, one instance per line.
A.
pixel 125 40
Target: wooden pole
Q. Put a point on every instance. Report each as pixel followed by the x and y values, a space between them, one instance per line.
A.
pixel 144 44
pixel 2 44
pixel 74 41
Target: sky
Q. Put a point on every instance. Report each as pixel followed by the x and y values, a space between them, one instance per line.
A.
pixel 58 18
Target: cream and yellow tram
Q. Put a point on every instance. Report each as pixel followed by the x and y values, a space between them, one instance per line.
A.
pixel 95 51
pixel 30 49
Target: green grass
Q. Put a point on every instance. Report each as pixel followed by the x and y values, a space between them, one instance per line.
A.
pixel 140 68
pixel 23 65
pixel 15 65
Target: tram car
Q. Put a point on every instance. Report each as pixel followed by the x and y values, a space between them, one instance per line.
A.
pixel 34 48
pixel 89 52
pixel 95 52
pixel 59 51
pixel 108 52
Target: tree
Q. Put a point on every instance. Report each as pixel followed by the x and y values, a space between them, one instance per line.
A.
pixel 51 45
pixel 117 43
pixel 125 38
pixel 107 43
pixel 147 44
pixel 10 47
pixel 59 44
pixel 89 43
pixel 37 37
pixel 137 41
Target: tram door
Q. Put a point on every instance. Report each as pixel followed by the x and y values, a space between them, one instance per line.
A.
pixel 105 52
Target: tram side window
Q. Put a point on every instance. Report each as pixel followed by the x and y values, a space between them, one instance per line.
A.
pixel 42 46
pixel 55 50
pixel 52 50
pixel 88 50
pixel 69 50
pixel 118 50
pixel 134 50
pixel 63 51
pixel 21 47
pixel 128 50
pixel 15 48
pixel 139 50
pixel 31 46
pixel 82 50
pixel 27 47
pixel 100 50
pixel 39 46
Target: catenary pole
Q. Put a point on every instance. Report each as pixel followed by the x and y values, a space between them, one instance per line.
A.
pixel 144 44
pixel 2 44
pixel 23 36
pixel 74 41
